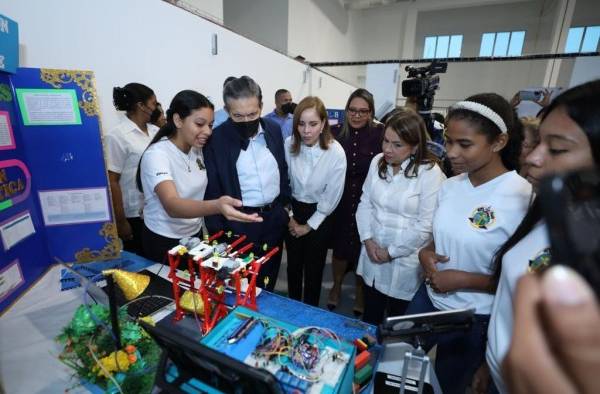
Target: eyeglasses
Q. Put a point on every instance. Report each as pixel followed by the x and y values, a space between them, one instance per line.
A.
pixel 360 112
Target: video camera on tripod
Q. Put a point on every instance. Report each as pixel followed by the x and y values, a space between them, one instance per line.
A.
pixel 421 83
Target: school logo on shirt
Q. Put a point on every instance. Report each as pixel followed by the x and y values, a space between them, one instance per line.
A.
pixel 540 261
pixel 482 218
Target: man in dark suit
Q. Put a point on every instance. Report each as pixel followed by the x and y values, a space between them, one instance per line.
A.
pixel 245 159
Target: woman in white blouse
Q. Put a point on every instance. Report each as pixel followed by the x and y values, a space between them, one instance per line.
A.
pixel 317 167
pixel 395 214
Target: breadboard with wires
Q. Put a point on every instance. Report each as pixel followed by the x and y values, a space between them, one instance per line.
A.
pixel 303 360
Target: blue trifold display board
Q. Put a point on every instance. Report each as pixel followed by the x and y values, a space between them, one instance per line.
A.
pixel 54 193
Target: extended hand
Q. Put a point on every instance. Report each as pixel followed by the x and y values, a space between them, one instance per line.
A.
pixel 227 206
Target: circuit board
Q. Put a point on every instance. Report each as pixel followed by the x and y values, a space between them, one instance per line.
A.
pixel 306 360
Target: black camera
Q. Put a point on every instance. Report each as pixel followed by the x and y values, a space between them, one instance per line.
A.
pixel 423 81
pixel 571 207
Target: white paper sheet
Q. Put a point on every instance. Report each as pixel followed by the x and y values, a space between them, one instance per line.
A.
pixel 75 206
pixel 16 230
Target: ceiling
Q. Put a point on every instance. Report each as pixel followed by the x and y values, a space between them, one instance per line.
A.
pixel 364 4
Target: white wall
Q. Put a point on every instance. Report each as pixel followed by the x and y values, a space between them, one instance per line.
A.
pixel 263 21
pixel 321 30
pixel 155 43
pixel 464 79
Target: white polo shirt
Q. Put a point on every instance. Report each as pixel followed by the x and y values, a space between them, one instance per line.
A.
pixel 469 225
pixel 396 213
pixel 531 251
pixel 317 176
pixel 124 147
pixel 163 161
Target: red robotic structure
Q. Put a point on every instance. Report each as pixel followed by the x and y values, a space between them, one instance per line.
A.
pixel 211 266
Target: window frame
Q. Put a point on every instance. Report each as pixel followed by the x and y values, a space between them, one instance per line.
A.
pixel 436 38
pixel 511 44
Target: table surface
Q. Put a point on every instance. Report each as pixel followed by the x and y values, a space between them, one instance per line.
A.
pixel 28 351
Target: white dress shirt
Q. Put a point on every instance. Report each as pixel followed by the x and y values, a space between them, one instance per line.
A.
pixel 317 176
pixel 397 213
pixel 469 225
pixel 163 161
pixel 124 147
pixel 258 172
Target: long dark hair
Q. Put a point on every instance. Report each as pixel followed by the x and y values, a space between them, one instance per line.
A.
pixel 581 104
pixel 511 152
pixel 182 104
pixel 368 97
pixel 128 96
pixel 410 127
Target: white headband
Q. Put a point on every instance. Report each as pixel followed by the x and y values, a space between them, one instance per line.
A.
pixel 484 111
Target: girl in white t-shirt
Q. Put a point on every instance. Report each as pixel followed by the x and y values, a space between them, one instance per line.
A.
pixel 172 177
pixel 394 216
pixel 124 146
pixel 478 210
pixel 569 140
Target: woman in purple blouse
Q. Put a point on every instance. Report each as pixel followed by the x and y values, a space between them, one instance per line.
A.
pixel 360 136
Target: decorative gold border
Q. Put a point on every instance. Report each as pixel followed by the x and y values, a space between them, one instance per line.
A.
pixel 83 79
pixel 89 103
pixel 111 250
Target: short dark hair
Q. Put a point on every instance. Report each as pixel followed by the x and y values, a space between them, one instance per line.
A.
pixel 438 117
pixel 242 87
pixel 279 92
pixel 227 80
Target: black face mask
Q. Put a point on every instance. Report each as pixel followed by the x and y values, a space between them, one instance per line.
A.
pixel 247 129
pixel 288 108
pixel 155 115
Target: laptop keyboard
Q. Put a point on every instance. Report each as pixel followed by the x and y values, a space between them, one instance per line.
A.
pixel 146 306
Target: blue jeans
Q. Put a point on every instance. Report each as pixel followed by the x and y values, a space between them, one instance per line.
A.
pixel 459 353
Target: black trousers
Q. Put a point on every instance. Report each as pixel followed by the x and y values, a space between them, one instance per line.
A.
pixel 134 245
pixel 265 235
pixel 156 246
pixel 377 303
pixel 306 256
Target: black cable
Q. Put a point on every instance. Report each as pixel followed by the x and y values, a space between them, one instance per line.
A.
pixel 473 59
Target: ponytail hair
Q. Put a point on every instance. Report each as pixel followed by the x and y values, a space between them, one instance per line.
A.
pixel 498 104
pixel 128 96
pixel 183 104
